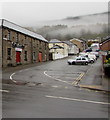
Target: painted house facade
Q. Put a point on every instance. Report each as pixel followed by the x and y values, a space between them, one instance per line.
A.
pixel 58 49
pixel 21 46
pixel 73 49
pixel 79 43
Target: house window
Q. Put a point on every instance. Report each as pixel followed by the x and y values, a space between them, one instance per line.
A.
pixel 17 37
pixel 34 40
pixel 13 38
pixel 8 53
pixel 25 55
pixel 39 44
pixel 25 39
pixel 45 46
pixel 8 37
pixel 34 56
pixel 5 36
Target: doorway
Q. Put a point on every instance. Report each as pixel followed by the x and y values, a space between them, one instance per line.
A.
pixel 18 57
pixel 40 57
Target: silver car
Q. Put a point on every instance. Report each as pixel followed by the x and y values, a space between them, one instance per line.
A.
pixel 78 60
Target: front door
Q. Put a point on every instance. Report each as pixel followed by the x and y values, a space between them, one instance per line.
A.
pixel 40 57
pixel 18 57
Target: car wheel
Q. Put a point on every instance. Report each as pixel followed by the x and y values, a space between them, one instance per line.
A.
pixel 73 63
pixel 92 61
pixel 69 63
pixel 86 63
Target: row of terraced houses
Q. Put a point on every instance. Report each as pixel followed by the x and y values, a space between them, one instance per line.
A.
pixel 21 46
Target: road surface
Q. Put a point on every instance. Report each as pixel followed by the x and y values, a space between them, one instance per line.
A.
pixel 51 92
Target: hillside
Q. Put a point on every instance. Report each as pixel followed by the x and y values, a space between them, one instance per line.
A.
pixel 88 26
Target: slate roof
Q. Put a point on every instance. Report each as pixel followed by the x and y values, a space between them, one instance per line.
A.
pixel 55 41
pixel 57 47
pixel 20 29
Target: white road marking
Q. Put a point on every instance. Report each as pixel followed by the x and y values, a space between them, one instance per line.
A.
pixel 4 91
pixel 78 100
pixel 55 86
pixel 73 83
pixel 56 78
pixel 11 77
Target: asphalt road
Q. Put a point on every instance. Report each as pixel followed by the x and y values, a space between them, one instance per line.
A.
pixel 55 97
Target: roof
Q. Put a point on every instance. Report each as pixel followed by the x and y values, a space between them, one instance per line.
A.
pixel 69 43
pixel 20 29
pixel 58 41
pixel 105 40
pixel 76 40
pixel 55 41
pixel 57 47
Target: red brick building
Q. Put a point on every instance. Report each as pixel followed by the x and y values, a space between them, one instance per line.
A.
pixel 105 52
pixel 105 48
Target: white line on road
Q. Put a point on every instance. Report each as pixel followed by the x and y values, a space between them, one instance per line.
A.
pixel 11 77
pixel 56 78
pixel 78 100
pixel 4 91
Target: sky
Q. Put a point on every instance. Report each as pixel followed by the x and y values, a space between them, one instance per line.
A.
pixel 26 13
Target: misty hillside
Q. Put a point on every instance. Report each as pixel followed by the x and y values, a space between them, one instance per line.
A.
pixel 87 26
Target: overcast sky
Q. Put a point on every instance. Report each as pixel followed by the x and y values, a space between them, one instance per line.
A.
pixel 25 13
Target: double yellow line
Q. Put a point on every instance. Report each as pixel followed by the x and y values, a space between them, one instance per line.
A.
pixel 78 79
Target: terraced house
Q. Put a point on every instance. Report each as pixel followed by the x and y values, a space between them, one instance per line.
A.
pixel 21 46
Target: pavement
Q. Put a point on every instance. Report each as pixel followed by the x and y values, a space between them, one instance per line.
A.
pixel 95 79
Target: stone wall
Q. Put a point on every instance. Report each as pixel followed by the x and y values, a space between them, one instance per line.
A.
pixel 28 47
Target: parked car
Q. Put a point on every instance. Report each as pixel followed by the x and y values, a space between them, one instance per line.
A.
pixel 78 60
pixel 96 54
pixel 90 60
pixel 91 57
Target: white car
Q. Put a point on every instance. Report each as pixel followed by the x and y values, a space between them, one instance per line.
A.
pixel 91 57
pixel 78 60
pixel 96 54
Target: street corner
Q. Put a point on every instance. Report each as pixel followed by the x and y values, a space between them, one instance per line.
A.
pixel 7 81
pixel 94 87
pixel 30 84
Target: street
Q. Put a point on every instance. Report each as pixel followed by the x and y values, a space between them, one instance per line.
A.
pixel 50 91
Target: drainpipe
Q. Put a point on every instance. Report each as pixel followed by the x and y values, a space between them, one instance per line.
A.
pixel 2 40
pixel 31 52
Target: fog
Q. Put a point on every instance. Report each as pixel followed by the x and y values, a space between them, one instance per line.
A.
pixel 78 20
pixel 74 26
pixel 58 19
pixel 29 13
